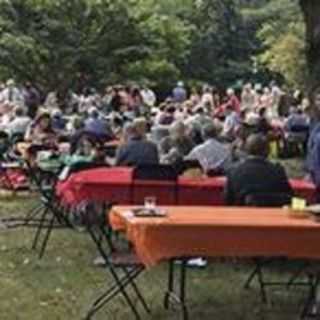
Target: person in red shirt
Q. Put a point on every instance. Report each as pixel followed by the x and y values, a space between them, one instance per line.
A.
pixel 233 100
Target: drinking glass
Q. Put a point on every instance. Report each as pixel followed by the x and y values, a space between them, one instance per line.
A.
pixel 150 202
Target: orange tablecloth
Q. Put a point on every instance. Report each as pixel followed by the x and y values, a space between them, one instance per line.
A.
pixel 218 232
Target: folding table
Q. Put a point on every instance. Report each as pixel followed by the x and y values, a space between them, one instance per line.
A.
pixel 217 232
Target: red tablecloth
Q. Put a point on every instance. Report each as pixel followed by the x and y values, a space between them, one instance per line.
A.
pixel 166 192
pixel 201 192
pixel 117 185
pixel 114 184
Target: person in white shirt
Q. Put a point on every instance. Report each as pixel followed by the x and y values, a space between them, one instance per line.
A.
pixel 148 96
pixel 212 155
pixel 20 122
pixel 247 98
pixel 11 94
pixel 207 100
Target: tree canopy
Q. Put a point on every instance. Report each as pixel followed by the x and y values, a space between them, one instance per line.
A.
pixel 59 43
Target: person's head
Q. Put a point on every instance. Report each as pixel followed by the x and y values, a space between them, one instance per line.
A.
pixel 162 107
pixel 209 132
pixel 257 145
pixel 180 84
pixel 19 112
pixel 199 110
pixel 230 92
pixel 28 85
pixel 10 83
pixel 207 89
pixel 43 122
pixel 247 87
pixel 140 126
pixel 266 91
pixel 171 109
pixel 86 144
pixel 293 110
pixel 56 114
pixel 93 112
pixel 129 131
pixel 262 112
pixel 194 91
pixel 177 129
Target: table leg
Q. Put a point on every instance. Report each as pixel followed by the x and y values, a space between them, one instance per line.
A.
pixel 177 298
pixel 170 289
pixel 311 307
pixel 183 279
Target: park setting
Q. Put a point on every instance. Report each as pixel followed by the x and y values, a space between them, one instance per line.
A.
pixel 159 159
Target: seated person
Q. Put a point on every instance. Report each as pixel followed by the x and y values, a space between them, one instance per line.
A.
pixel 136 149
pixel 85 149
pixel 297 121
pixel 58 122
pixel 176 146
pixel 231 123
pixel 263 125
pixel 86 153
pixel 19 124
pixel 255 175
pixel 40 132
pixel 168 117
pixel 97 126
pixel 212 155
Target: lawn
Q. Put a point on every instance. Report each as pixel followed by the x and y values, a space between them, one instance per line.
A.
pixel 64 282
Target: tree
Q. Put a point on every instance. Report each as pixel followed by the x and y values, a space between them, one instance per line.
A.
pixel 221 50
pixel 55 42
pixel 311 11
pixel 282 41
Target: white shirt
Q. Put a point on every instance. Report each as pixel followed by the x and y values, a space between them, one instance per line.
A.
pixel 149 98
pixel 18 125
pixel 211 155
pixel 12 95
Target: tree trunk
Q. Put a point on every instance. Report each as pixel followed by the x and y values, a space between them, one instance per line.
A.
pixel 311 11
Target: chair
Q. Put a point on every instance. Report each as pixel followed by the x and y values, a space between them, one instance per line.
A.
pixel 50 211
pixel 269 200
pixel 156 180
pixel 124 266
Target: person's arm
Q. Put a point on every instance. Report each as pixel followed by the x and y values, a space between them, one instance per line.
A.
pixel 193 155
pixel 121 156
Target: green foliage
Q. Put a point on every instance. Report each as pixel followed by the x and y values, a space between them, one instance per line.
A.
pixel 282 37
pixel 221 49
pixel 56 43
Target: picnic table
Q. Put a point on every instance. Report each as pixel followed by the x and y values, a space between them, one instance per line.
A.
pixel 215 232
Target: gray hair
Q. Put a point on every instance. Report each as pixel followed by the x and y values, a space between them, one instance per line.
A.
pixel 209 131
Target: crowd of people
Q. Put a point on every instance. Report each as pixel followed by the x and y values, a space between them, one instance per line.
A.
pixel 217 129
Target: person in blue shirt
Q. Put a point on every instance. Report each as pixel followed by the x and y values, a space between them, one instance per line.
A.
pixel 313 157
pixel 179 93
pixel 96 126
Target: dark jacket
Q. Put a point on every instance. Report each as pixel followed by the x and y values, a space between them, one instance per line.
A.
pixel 255 176
pixel 137 152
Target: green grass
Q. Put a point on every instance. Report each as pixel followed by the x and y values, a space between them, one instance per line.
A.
pixel 63 284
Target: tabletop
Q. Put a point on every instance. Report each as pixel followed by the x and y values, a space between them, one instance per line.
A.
pixel 218 232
